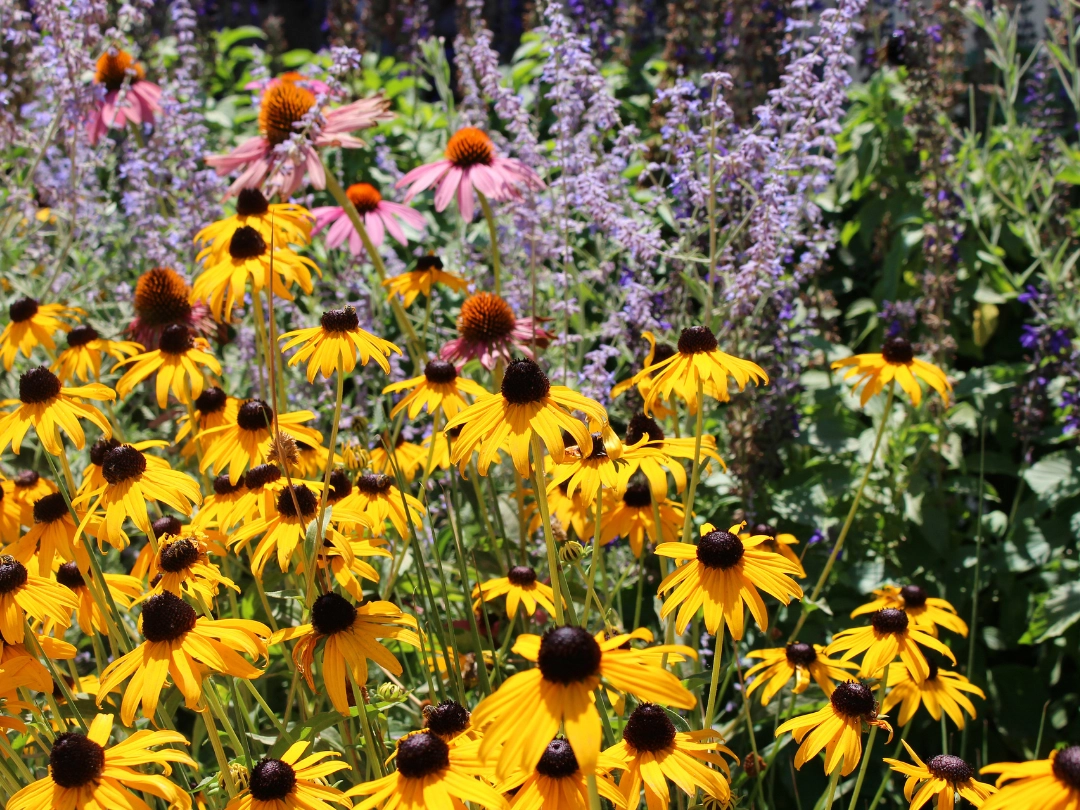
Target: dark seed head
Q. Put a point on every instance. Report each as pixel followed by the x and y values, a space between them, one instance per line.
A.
pixel 166 617
pixel 950 768
pixel 50 508
pixel 166 524
pixel 638 496
pixel 81 335
pixel 246 243
pixel 176 339
pixel 933 669
pixel 429 263
pixel 853 699
pixel 331 614
pixel 642 425
pixel 374 483
pixel 122 464
pixel 1066 766
pixel 260 475
pixel 524 382
pixel 271 780
pixel 179 555
pixel 521 575
pixel 568 655
pixel 799 654
pixel 23 310
pixel 662 352
pixel 223 486
pixel 255 415
pixel 340 320
pixel 898 351
pixel 340 485
pixel 100 449
pixel 439 372
pixel 649 728
pixel 720 549
pixel 599 451
pixel 27 479
pixel 38 385
pixel 307 500
pixel 211 400
pixel 913 596
pixel 889 620
pixel 250 202
pixel 697 339
pixel 558 760
pixel 75 760
pixel 13 574
pixel 70 576
pixel 422 754
pixel 765 529
pixel 447 719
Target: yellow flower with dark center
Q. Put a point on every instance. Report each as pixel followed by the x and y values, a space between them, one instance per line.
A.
pixel 48 407
pixel 294 782
pixel 889 634
pixel 1041 784
pixel 335 343
pixel 801 661
pixel 558 781
pixel 449 720
pixel 530 707
pixel 924 611
pixel 180 363
pixel 26 489
pixel 376 496
pixel 439 388
pixel 235 446
pixel 720 574
pixel 407 457
pixel 651 752
pixel 632 517
pixel 186 647
pixel 217 508
pixel 16 659
pixel 23 594
pixel 566 514
pixel 279 224
pixel 212 408
pixel 837 728
pixel 86 349
pixel 343 556
pixel 32 324
pixel 427 273
pixel 429 775
pixel 941 690
pixel 52 534
pixel 86 773
pixel 780 543
pixel 698 359
pixel 647 450
pixel 92 477
pixel 182 567
pixel 520 587
pixel 941 777
pixel 585 474
pixel 351 636
pixel 526 403
pixel 685 390
pixel 124 590
pixel 258 492
pixel 896 361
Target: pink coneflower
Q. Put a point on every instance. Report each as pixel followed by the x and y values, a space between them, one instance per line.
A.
pixel 283 106
pixel 489 331
pixel 380 217
pixel 314 85
pixel 139 101
pixel 470 162
pixel 162 298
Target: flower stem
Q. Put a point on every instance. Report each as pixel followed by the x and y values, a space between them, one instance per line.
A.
pixel 597 561
pixel 976 584
pixel 319 528
pixel 219 751
pixel 718 651
pixel 594 793
pixel 869 741
pixel 695 476
pixel 834 777
pixel 545 519
pixel 888 772
pixel 485 206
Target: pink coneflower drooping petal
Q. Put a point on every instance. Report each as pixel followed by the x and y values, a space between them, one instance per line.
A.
pixel 136 103
pixel 489 331
pixel 380 217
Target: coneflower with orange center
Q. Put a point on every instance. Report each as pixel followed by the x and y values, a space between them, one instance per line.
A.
pixel 128 97
pixel 380 217
pixel 161 300
pixel 489 331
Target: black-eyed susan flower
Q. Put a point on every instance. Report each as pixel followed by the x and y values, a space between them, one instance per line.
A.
pixel 941 690
pixel 588 473
pixel 124 590
pixel 720 574
pixel 896 361
pixel 212 408
pixel 1041 784
pixel 450 721
pixel 92 477
pixel 658 352
pixel 520 587
pixel 796 660
pixel 940 778
pixel 780 543
pixel 25 489
pixel 49 408
pixel 294 782
pixel 235 446
pixel 698 359
pixel 24 594
pixel 438 389
pixel 567 513
pixel 31 325
pixel 217 508
pixel 52 534
pixel 526 404
pixel 351 636
pixel 344 557
pixel 180 362
pixel 649 451
pixel 530 707
pixel 429 774
pixel 182 566
pixel 558 781
pixel 888 635
pixel 632 517
pixel 162 299
pixel 837 728
pixel 258 496
pixel 279 224
pixel 376 496
pixel 489 331
pixel 925 612
pixel 335 343
pixel 85 350
pixel 16 656
pixel 652 751
pixel 427 273
pixel 185 647
pixel 85 773
pixel 408 457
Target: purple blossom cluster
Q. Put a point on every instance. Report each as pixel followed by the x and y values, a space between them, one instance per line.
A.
pixel 1053 355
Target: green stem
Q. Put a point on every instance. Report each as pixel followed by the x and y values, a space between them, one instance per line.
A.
pixel 594 793
pixel 834 777
pixel 285 735
pixel 545 519
pixel 869 742
pixel 695 475
pixel 973 625
pixel 888 772
pixel 463 572
pixel 320 532
pixel 485 206
pixel 597 561
pixel 714 693
pixel 219 751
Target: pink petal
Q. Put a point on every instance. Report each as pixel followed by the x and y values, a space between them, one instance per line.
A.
pixel 325 214
pixel 391 225
pixel 338 232
pixel 356 247
pixel 375 231
pixel 423 177
pixel 465 196
pixel 447 186
pixel 249 150
pixel 314 168
pixel 486 181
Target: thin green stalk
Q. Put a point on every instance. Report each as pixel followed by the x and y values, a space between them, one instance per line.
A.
pixel 869 745
pixel 594 793
pixel 545 518
pixel 597 561
pixel 463 572
pixel 270 713
pixel 695 475
pixel 834 777
pixel 365 724
pixel 976 585
pixel 219 712
pixel 718 650
pixel 15 759
pixel 320 531
pixel 639 596
pixel 888 772
pixel 485 206
pixel 219 751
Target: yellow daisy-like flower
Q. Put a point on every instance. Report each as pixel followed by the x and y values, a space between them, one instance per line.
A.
pixel 235 446
pixel 941 690
pixel 896 361
pixel 685 390
pixel 258 490
pixel 376 496
pixel 428 272
pixel 25 489
pixel 520 587
pixel 23 594
pixel 294 782
pixel 656 456
pixel 942 777
pixel 652 751
pixel 507 420
pixel 801 661
pixel 586 474
pixel 406 456
pixel 529 708
pixel 123 588
pixel 450 721
pixel 85 773
pixel 185 647
pixel 180 361
pixel 20 663
pixel 335 343
pixel 343 556
pixel 48 407
pixel 182 567
pixel 86 349
pixel 212 408
pixel 33 324
pixel 557 781
pixel 720 574
pixel 351 633
pixel 632 517
pixel 216 510
pixel 439 388
pixel 780 543
pixel 11 514
pixel 567 513
pixel 925 612
pixel 1041 784
pixel 698 359
pixel 92 477
pixel 52 534
pixel 430 774
pixel 889 634
pixel 837 728
pixel 279 224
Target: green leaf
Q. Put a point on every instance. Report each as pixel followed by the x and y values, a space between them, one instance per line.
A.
pixel 1054 478
pixel 1061 609
pixel 226 39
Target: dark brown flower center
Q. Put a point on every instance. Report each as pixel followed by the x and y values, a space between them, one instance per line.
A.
pixel 853 699
pixel 75 760
pixel 176 339
pixel 22 309
pixel 13 574
pixel 364 197
pixel 898 351
pixel 933 669
pixel 558 760
pixel 950 768
pixel 568 655
pixel 439 372
pixel 889 620
pixel 469 146
pixel 521 575
pixel 720 549
pixel 161 297
pixel 662 352
pixel 70 576
pixel 331 614
pixel 260 475
pixel 166 617
pixel 250 202
pixel 100 449
pixel 112 69
pixel 765 529
pixel 913 596
pixel 179 555
pixel 638 496
pixel 166 524
pixel 38 385
pixel 697 339
pixel 340 486
pixel 283 105
pixel 447 719
pixel 425 263
pixel 486 318
pixel 211 400
pixel 27 479
pixel 255 415
pixel 1066 766
pixel 374 483
pixel 307 500
pixel 649 728
pixel 272 780
pixel 223 486
pixel 81 335
pixel 642 425
pixel 599 449
pixel 799 654
pixel 246 243
pixel 340 320
pixel 423 754
pixel 524 383
pixel 122 464
pixel 50 508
